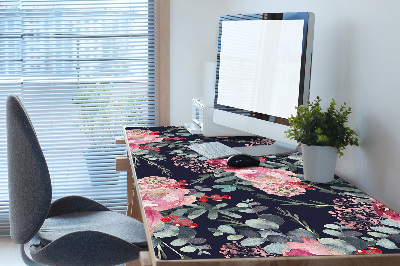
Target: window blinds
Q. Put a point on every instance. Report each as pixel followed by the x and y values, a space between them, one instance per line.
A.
pixel 83 69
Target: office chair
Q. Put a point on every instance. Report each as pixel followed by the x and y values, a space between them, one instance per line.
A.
pixel 70 231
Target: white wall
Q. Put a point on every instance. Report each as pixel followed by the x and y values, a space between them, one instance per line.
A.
pixel 194 41
pixel 356 60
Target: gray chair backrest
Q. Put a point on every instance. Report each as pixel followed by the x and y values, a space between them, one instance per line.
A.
pixel 29 183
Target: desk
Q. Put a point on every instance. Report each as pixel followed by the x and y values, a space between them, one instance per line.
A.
pixel 199 211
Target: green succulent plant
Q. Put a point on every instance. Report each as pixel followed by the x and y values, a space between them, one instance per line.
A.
pixel 312 126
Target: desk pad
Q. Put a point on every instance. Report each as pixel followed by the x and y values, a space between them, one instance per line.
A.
pixel 199 209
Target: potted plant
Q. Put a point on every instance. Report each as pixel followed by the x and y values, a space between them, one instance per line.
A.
pixel 323 135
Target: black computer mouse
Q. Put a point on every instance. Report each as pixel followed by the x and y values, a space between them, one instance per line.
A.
pixel 242 160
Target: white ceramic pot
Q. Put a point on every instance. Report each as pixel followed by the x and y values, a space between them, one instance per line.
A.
pixel 319 163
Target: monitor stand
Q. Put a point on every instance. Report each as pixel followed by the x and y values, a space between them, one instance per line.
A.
pixel 263 150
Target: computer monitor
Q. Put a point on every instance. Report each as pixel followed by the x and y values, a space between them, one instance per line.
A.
pixel 263 73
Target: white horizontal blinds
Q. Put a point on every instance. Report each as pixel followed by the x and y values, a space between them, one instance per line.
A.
pixel 88 68
pixel 10 82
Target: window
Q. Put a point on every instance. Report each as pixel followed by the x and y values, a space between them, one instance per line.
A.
pixel 83 69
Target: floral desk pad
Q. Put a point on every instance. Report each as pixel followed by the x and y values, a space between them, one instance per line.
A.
pixel 198 208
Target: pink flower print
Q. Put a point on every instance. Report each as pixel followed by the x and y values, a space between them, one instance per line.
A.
pixel 194 164
pixel 265 175
pixel 162 193
pixel 159 194
pixel 384 211
pixel 235 250
pixel 296 252
pixel 355 214
pixel 153 218
pixel 220 163
pixel 309 247
pixel 140 136
pixel 273 181
pixel 133 146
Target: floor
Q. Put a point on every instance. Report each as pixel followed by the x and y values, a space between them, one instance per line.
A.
pixel 9 253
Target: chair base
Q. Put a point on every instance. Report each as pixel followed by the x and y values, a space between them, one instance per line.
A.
pixel 26 259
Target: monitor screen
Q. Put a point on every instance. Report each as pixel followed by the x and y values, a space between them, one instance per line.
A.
pixel 260 63
pixel 263 71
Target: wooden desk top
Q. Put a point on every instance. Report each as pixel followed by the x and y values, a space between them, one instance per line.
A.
pixel 200 210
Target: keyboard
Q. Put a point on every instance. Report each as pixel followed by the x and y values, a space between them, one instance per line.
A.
pixel 214 150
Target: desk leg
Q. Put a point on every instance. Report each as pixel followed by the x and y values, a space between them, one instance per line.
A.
pixel 129 192
pixel 133 263
pixel 134 212
pixel 133 198
pixel 144 260
pixel 133 209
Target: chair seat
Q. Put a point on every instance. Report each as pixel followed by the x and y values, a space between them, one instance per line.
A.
pixel 107 222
